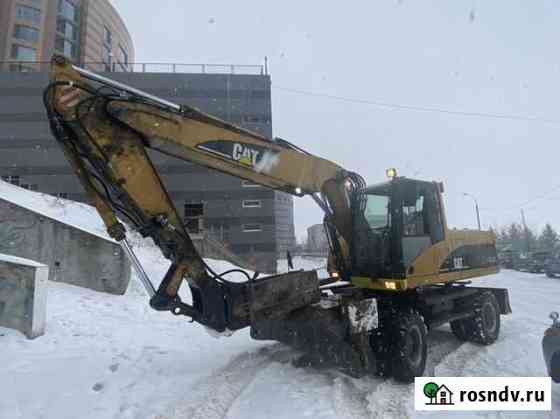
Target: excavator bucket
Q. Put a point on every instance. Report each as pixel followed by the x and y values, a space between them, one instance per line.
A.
pixel 336 335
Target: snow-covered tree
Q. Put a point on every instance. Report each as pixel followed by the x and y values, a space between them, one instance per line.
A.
pixel 548 239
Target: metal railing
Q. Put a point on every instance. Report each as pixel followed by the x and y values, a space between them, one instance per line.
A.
pixel 184 68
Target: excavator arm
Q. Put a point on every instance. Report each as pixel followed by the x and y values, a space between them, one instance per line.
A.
pixel 106 128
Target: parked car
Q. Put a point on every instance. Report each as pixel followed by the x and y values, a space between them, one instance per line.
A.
pixel 552 266
pixel 534 262
pixel 507 259
pixel 551 348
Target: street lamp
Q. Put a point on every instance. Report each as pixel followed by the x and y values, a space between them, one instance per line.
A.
pixel 476 206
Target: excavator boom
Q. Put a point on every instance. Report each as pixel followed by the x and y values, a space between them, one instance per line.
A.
pixel 105 129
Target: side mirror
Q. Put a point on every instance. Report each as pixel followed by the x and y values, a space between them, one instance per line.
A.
pixel 290 261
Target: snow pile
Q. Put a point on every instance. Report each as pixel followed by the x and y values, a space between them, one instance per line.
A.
pixel 81 216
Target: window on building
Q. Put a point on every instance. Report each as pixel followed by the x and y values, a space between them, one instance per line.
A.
pixel 107 55
pixel 194 217
pixel 66 29
pixel 250 228
pixel 63 195
pixel 36 2
pixel 252 203
pixel 68 10
pixel 26 33
pixel 29 14
pixel 249 184
pixel 256 119
pixel 14 180
pixel 108 37
pixel 29 186
pixel 66 47
pixel 21 53
pixel 123 59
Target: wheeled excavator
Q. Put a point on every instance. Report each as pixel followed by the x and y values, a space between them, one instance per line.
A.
pixel 395 268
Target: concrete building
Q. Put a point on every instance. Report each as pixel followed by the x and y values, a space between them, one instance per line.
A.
pixel 317 241
pixel 253 222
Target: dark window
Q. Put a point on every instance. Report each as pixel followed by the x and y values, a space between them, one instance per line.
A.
pixel 413 217
pixel 14 180
pixel 194 213
pixel 68 10
pixel 421 212
pixel 19 52
pixel 29 14
pixel 29 186
pixel 63 195
pixel 194 210
pixel 256 119
pixel 25 33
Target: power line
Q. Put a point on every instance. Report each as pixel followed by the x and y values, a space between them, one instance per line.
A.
pixel 398 106
pixel 524 204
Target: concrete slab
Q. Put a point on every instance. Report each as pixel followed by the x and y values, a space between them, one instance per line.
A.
pixel 74 256
pixel 23 295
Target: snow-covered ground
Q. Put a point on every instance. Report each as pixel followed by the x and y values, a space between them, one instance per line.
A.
pixel 107 356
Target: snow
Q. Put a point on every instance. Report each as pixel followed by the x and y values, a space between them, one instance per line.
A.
pixel 81 216
pixel 106 356
pixel 20 261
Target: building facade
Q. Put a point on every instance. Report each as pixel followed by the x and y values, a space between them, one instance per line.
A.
pixel 83 30
pixel 317 241
pixel 254 222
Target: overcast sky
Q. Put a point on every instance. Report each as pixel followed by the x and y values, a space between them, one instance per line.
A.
pixel 497 57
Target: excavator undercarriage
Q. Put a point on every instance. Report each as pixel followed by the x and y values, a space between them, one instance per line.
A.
pixel 395 268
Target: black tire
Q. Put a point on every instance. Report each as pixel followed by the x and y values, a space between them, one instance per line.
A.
pixel 555 367
pixel 459 329
pixel 409 346
pixel 484 327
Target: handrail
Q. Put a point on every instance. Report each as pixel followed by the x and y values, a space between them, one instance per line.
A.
pixel 141 67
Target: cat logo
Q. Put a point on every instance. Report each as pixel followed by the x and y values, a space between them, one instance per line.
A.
pixel 256 157
pixel 245 155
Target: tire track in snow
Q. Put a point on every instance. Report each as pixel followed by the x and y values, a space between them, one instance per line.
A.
pixel 214 395
pixel 441 343
pixel 393 400
pixel 350 396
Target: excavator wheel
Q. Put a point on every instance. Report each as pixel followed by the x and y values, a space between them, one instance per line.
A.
pixel 409 347
pixel 484 327
pixel 459 329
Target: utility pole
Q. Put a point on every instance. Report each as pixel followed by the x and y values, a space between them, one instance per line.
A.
pixel 527 241
pixel 476 207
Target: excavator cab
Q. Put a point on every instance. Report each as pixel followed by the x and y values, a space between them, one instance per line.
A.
pixel 400 220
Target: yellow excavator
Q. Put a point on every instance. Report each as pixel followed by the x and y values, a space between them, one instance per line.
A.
pixel 395 268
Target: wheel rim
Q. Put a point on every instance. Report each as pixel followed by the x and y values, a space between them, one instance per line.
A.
pixel 489 318
pixel 414 345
